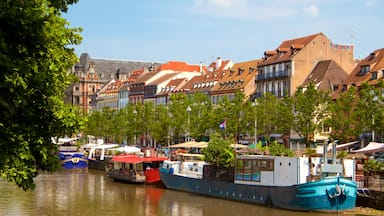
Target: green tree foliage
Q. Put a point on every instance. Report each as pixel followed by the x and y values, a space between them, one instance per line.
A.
pixel 35 56
pixel 200 115
pixel 277 149
pixel 309 110
pixel 373 166
pixel 268 110
pixel 370 109
pixel 343 117
pixel 219 152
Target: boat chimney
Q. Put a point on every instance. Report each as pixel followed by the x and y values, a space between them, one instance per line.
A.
pixel 334 151
pixel 325 151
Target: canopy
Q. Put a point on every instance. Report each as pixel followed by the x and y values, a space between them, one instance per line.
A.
pixel 202 145
pixel 94 147
pixel 134 159
pixel 372 147
pixel 190 145
pixel 345 145
pixel 127 149
pixel 319 148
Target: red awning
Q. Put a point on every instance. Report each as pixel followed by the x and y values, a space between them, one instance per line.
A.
pixel 134 159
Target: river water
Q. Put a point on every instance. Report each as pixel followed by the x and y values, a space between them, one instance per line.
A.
pixel 91 192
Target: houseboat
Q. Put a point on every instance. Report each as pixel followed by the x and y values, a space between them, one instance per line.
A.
pixel 69 154
pixel 136 168
pixel 294 183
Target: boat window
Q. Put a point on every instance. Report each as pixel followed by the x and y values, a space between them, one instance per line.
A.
pixel 250 169
pixel 139 167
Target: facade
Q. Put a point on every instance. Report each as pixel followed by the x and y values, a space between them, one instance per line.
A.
pixel 108 96
pixel 287 67
pixel 84 92
pixel 150 84
pixel 174 86
pixel 123 96
pixel 93 74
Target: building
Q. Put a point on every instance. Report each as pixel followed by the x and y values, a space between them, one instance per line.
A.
pixel 240 77
pixel 287 67
pixel 93 74
pixel 150 84
pixel 368 70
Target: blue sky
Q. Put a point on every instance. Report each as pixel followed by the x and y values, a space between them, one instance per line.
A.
pixel 197 31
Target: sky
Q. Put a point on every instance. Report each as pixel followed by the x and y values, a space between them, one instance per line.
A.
pixel 195 31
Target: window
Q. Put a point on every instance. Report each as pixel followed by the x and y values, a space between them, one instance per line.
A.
pixel 374 76
pixel 364 69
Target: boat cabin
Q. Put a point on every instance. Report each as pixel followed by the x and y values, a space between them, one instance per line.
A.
pixel 284 171
pixel 135 168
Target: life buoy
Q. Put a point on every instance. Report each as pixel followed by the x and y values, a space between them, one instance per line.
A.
pixel 75 160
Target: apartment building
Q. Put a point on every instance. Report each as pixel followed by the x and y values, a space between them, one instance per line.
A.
pixel 287 67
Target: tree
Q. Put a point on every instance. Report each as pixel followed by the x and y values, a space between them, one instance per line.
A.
pixel 35 55
pixel 269 112
pixel 370 109
pixel 219 152
pixel 200 114
pixel 342 116
pixel 309 110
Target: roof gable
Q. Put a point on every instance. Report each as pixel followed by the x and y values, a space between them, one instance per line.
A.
pixel 327 75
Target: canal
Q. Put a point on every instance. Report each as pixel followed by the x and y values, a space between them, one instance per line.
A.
pixel 90 192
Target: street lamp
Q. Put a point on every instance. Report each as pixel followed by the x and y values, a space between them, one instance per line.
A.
pixel 135 114
pixel 188 111
pixel 255 105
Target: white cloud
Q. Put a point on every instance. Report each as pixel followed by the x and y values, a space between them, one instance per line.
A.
pixel 227 4
pixel 312 10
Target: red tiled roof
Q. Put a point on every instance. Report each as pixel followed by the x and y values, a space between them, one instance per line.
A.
pixel 238 76
pixel 326 75
pixel 204 82
pixel 180 66
pixel 287 48
pixel 374 60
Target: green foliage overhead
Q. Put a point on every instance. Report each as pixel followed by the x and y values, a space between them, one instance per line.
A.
pixel 35 56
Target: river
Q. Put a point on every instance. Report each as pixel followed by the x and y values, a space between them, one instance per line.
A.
pixel 91 192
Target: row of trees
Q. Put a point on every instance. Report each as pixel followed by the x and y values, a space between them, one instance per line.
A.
pixel 307 112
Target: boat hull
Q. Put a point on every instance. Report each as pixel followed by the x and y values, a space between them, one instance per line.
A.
pixel 73 161
pixel 150 177
pixel 312 196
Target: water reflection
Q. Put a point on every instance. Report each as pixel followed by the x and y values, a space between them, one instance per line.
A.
pixel 79 193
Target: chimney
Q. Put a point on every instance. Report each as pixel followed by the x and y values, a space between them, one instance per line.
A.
pixel 219 61
pixel 201 68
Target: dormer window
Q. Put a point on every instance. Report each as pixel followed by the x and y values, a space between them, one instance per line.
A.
pixel 364 69
pixel 345 87
pixel 374 75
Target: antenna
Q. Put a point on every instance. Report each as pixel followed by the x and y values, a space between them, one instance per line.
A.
pixel 352 32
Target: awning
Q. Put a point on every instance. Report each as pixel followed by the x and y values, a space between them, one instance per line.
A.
pixel 127 149
pixel 190 145
pixel 134 159
pixel 345 145
pixel 340 147
pixel 372 147
pixel 202 145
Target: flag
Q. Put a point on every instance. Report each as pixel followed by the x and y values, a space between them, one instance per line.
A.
pixel 223 124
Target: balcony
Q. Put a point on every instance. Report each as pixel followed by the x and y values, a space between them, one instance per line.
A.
pixel 273 75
